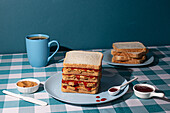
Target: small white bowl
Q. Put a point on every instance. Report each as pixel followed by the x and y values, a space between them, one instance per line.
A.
pixel 147 94
pixel 28 89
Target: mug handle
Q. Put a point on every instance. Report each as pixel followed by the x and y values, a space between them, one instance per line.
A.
pixel 49 44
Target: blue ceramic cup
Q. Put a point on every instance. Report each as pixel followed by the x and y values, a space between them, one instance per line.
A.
pixel 38 49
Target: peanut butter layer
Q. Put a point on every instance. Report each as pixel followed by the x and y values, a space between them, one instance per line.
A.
pixel 81 78
pixel 67 90
pixel 74 88
pixel 128 61
pixel 123 58
pixel 79 71
pixel 79 83
pixel 129 54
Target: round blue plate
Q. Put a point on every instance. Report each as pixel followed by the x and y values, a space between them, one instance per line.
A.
pixel 108 59
pixel 109 79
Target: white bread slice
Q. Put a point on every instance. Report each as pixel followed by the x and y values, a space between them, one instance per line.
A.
pixel 129 54
pixel 129 47
pixel 83 59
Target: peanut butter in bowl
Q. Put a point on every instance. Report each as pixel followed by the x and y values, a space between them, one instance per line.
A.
pixel 26 84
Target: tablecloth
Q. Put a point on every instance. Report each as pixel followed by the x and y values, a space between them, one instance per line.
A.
pixel 14 67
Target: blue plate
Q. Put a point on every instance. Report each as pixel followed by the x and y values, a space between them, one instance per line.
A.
pixel 108 59
pixel 109 79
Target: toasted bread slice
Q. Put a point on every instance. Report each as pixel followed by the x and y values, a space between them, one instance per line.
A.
pixel 83 59
pixel 130 54
pixel 129 47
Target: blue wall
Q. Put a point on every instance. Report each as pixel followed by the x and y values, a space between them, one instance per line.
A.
pixel 84 24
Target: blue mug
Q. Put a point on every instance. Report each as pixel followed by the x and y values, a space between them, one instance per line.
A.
pixel 38 49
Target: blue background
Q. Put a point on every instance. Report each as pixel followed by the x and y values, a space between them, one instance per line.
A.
pixel 84 24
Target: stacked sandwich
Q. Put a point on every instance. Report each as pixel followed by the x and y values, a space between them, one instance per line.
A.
pixel 129 52
pixel 81 72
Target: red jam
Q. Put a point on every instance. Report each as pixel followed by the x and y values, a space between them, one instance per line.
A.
pixel 113 89
pixel 97 100
pixel 76 83
pixel 88 88
pixel 78 76
pixel 103 99
pixel 76 88
pixel 143 88
pixel 65 87
pixel 97 96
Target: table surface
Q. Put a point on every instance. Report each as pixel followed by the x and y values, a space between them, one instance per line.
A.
pixel 14 67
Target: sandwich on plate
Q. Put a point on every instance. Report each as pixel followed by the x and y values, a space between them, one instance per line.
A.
pixel 129 52
pixel 82 72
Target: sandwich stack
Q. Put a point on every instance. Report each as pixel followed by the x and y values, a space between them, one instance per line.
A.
pixel 82 72
pixel 129 52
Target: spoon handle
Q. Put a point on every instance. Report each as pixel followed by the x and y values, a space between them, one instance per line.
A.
pixel 129 82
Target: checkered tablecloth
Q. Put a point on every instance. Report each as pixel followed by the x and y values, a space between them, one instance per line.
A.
pixel 14 67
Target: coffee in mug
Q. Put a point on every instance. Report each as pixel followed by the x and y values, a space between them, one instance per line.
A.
pixel 37 38
pixel 38 49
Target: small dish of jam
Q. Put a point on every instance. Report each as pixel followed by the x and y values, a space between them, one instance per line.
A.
pixel 113 89
pixel 143 88
pixel 146 91
pixel 28 85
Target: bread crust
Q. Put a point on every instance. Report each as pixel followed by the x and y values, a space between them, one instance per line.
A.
pixel 143 49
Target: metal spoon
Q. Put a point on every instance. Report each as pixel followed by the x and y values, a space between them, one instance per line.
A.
pixel 115 89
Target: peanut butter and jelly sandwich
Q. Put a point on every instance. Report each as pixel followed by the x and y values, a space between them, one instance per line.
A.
pixel 82 72
pixel 129 52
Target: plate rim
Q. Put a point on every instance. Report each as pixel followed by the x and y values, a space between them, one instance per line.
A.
pixel 101 102
pixel 127 65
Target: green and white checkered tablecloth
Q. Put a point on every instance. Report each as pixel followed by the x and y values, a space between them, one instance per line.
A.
pixel 14 67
